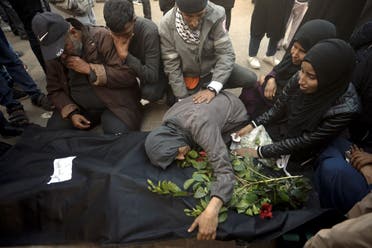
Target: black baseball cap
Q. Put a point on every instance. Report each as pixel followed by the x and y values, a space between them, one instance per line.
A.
pixel 50 29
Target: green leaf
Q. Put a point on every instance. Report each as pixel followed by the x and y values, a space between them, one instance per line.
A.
pixel 193 154
pixel 283 195
pixel 249 212
pixel 234 200
pixel 198 177
pixel 184 163
pixel 164 186
pixel 238 165
pixel 188 183
pixel 236 162
pixel 204 203
pixel 181 193
pixel 243 204
pixel 250 197
pixel 196 185
pixel 222 217
pixel 200 193
pixel 255 209
pixel 173 187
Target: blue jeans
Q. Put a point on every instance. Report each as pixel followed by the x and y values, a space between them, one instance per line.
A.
pixel 6 94
pixel 339 185
pixel 254 45
pixel 14 67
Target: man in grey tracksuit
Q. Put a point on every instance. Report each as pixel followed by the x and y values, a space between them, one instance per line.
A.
pixel 196 45
pixel 186 125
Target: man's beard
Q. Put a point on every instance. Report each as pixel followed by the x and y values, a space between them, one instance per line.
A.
pixel 78 48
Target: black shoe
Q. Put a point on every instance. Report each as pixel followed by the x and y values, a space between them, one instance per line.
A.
pixel 42 101
pixel 6 130
pixel 17 116
pixel 19 95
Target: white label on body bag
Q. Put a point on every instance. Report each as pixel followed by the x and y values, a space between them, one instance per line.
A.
pixel 62 170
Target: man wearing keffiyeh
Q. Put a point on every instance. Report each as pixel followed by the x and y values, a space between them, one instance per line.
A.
pixel 198 56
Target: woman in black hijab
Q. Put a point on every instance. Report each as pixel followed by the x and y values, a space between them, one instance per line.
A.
pixel 318 103
pixel 307 36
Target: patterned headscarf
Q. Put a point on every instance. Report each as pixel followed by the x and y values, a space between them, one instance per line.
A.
pixel 188 35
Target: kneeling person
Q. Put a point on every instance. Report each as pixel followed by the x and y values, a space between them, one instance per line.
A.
pixel 86 79
pixel 187 124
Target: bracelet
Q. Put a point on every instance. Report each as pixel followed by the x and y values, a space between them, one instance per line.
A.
pixel 75 112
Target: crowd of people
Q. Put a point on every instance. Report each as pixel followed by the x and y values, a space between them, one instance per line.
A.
pixel 315 102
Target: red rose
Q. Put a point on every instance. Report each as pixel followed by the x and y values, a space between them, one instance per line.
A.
pixel 265 212
pixel 203 153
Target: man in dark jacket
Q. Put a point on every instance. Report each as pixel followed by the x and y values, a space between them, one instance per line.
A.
pixel 86 79
pixel 137 43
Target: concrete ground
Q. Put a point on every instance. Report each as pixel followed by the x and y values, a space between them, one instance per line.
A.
pixel 239 33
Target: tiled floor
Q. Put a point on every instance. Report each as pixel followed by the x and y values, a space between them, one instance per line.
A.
pixel 239 33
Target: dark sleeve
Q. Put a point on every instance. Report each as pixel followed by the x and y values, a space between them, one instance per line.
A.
pixel 56 85
pixel 327 130
pixel 362 36
pixel 208 136
pixel 149 70
pixel 109 69
pixel 280 107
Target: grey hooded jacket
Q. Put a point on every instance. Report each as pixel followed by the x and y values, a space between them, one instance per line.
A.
pixel 206 124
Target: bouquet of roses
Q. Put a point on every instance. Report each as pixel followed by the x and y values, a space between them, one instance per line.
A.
pixel 258 189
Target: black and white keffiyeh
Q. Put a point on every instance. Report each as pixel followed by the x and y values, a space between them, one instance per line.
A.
pixel 188 35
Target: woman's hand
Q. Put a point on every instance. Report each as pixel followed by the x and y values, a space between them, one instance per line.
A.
pixel 245 130
pixel 270 89
pixel 247 152
pixel 207 221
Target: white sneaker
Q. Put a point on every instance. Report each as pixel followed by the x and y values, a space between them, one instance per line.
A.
pixel 271 60
pixel 254 62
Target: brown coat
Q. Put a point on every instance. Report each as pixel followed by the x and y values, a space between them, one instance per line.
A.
pixel 116 84
pixel 354 232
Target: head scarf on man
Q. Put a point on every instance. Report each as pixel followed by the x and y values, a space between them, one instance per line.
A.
pixel 333 61
pixel 162 145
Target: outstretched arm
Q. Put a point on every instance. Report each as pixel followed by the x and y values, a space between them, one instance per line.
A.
pixel 207 221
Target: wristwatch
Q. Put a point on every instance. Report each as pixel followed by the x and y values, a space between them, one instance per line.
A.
pixel 212 89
